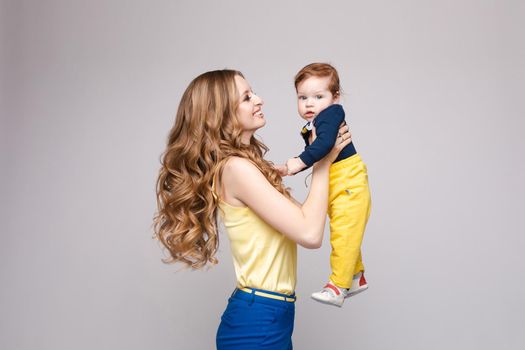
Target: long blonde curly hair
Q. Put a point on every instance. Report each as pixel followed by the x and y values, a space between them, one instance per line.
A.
pixel 205 134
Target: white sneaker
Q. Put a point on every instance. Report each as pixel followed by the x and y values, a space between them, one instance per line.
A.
pixel 333 295
pixel 358 285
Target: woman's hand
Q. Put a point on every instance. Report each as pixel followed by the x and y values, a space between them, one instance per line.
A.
pixel 343 139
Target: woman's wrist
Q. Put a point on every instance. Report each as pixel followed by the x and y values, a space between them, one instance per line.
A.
pixel 321 168
pixel 322 164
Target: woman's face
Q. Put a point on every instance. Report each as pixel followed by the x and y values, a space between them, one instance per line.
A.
pixel 249 112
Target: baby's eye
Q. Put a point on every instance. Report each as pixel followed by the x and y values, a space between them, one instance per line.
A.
pixel 319 97
pixel 302 97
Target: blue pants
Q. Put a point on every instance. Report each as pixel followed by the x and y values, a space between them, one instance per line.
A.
pixel 254 322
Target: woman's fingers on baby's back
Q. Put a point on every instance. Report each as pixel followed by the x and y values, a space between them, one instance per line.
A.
pixel 344 133
pixel 344 129
pixel 346 141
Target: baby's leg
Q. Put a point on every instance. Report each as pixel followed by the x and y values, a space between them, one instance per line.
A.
pixel 359 267
pixel 349 209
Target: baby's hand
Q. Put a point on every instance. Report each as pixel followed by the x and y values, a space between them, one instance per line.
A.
pixel 282 169
pixel 295 165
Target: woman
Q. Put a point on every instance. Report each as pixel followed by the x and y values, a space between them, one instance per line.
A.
pixel 213 164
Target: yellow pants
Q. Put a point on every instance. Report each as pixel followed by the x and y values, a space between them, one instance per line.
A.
pixel 348 209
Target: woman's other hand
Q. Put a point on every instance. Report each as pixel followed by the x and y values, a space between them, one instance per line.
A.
pixel 343 139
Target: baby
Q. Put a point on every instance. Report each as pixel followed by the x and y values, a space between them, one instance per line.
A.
pixel 318 93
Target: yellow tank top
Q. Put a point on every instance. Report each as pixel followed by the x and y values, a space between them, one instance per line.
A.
pixel 263 258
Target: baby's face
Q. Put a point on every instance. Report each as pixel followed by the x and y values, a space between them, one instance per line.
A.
pixel 313 96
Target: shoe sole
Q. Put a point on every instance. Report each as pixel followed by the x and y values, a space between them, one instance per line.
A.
pixel 326 302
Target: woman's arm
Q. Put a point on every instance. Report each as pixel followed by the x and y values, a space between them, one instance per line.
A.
pixel 243 183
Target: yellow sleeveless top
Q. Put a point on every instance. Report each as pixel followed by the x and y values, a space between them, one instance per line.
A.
pixel 263 258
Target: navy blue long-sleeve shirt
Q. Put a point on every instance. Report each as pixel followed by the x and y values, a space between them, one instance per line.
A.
pixel 326 128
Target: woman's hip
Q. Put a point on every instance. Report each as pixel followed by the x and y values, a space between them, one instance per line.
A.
pixel 253 321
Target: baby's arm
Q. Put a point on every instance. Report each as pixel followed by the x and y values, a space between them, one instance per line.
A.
pixel 295 165
pixel 282 169
pixel 327 125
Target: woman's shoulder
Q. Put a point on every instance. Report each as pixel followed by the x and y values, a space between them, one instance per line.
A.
pixel 238 166
pixel 240 177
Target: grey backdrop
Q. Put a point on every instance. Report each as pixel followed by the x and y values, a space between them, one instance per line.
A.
pixel 434 96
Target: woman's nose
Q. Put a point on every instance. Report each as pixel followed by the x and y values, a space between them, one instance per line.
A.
pixel 258 100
